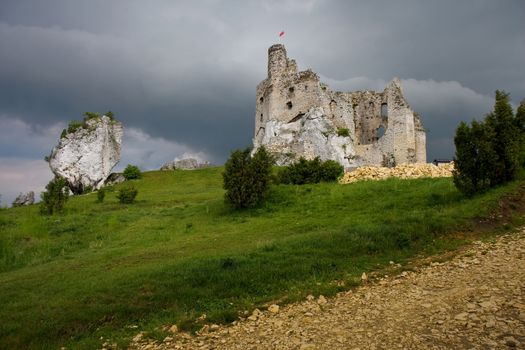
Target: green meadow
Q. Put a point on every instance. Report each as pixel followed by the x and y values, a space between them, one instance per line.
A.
pixel 94 272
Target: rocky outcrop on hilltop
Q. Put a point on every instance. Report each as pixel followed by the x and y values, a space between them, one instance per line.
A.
pixel 87 152
pixel 24 199
pixel 310 136
pixel 185 164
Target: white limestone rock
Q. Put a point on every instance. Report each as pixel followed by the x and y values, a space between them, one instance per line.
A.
pixel 185 164
pixel 86 156
pixel 310 136
pixel 24 199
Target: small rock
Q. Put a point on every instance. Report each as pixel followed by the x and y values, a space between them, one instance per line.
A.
pixel 214 327
pixel 274 308
pixel 321 300
pixel 138 337
pixel 24 199
pixel 310 297
pixel 511 342
pixel 364 277
pixel 174 329
pixel 461 317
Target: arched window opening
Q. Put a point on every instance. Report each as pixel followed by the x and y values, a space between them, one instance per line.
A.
pixel 289 104
pixel 380 131
pixel 384 110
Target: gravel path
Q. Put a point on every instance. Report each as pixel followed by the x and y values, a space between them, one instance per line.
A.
pixel 474 301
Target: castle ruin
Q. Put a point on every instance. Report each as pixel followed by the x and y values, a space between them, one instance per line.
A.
pixel 297 115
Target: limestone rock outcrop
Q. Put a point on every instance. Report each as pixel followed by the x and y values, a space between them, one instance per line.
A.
pixel 185 164
pixel 298 116
pixel 24 199
pixel 85 155
pixel 310 136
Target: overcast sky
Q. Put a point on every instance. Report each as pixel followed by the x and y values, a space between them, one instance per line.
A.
pixel 181 75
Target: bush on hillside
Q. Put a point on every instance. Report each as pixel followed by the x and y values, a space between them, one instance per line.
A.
pixel 132 172
pixel 310 171
pixel 54 197
pixel 490 152
pixel 127 194
pixel 247 179
pixel 100 195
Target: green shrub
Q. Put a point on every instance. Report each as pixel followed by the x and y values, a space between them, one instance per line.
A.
pixel 54 197
pixel 100 195
pixel 127 194
pixel 247 179
pixel 343 132
pixel 110 115
pixel 132 172
pixel 331 171
pixel 73 126
pixel 310 171
pixel 90 115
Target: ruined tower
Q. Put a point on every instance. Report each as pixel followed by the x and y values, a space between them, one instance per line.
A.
pixel 297 115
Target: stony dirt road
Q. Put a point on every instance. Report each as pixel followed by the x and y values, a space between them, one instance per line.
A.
pixel 474 301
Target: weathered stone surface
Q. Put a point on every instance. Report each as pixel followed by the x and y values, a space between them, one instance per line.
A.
pixel 114 178
pixel 310 136
pixel 24 199
pixel 86 156
pixel 185 164
pixel 294 109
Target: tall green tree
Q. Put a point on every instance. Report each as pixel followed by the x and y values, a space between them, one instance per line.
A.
pixel 506 141
pixel 520 116
pixel 475 157
pixel 520 122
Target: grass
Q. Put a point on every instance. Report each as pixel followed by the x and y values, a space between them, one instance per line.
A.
pixel 83 277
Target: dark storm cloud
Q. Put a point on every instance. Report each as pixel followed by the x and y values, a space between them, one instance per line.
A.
pixel 183 73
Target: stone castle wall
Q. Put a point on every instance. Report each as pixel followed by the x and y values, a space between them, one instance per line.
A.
pixel 383 130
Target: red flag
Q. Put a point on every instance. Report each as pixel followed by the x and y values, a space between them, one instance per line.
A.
pixel 281 34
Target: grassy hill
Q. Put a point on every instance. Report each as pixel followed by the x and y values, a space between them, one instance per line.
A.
pixel 99 269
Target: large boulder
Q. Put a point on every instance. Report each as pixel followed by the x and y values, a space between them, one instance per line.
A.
pixel 310 136
pixel 86 154
pixel 24 199
pixel 185 164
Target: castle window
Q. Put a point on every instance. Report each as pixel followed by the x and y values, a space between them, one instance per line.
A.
pixel 291 89
pixel 384 110
pixel 261 100
pixel 380 131
pixel 305 87
pixel 371 105
pixel 261 117
pixel 289 104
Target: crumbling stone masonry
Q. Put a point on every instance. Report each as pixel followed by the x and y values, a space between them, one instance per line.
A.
pixel 297 115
